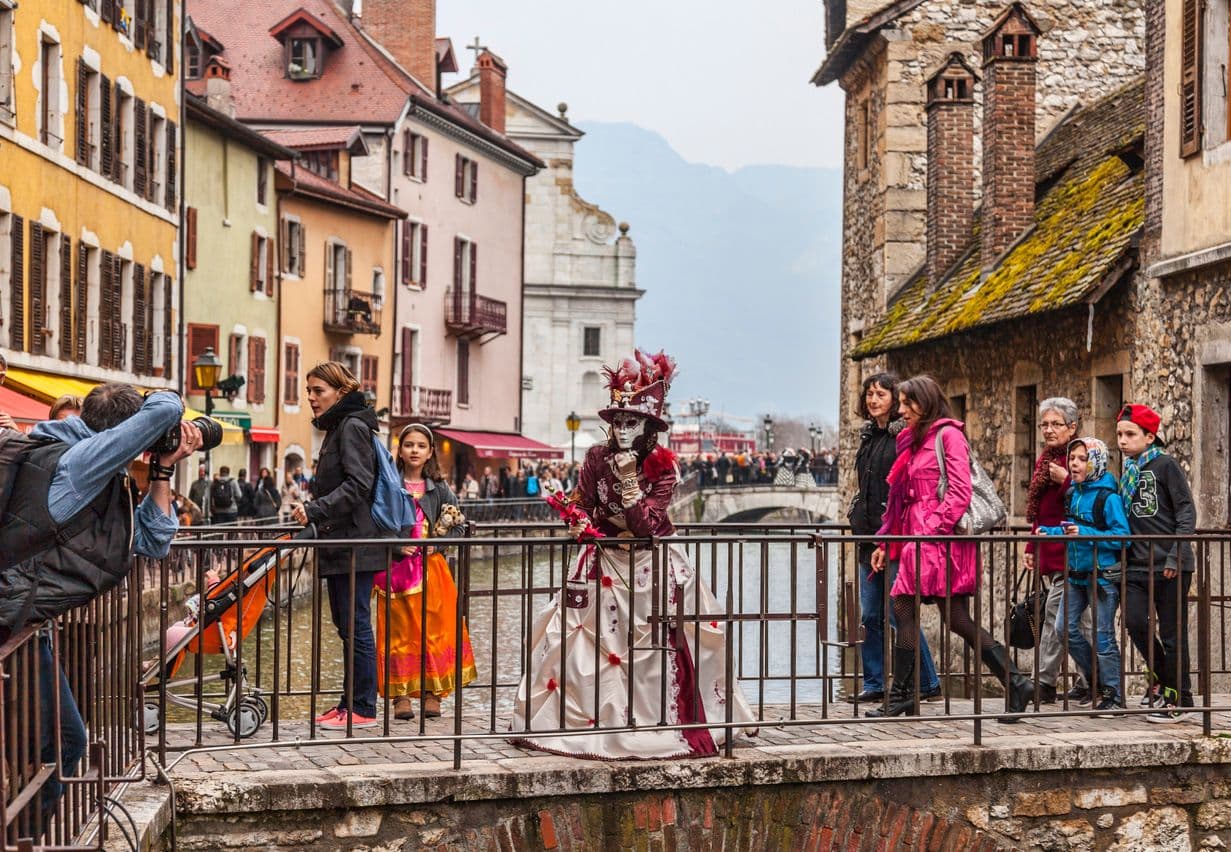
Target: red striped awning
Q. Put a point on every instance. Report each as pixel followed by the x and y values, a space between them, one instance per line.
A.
pixel 263 435
pixel 502 445
pixel 23 409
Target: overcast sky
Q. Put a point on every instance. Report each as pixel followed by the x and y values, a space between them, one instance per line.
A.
pixel 724 86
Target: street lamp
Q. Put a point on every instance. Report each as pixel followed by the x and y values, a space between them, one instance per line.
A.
pixel 813 434
pixel 769 432
pixel 572 423
pixel 698 408
pixel 205 371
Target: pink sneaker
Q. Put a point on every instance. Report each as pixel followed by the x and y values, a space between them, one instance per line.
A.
pixel 329 715
pixel 338 723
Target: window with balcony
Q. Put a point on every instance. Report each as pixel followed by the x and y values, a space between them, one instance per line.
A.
pixel 468 314
pixel 7 108
pixel 347 310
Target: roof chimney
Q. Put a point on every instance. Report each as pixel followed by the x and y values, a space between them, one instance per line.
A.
pixel 218 86
pixel 951 164
pixel 492 74
pixel 1010 54
pixel 407 29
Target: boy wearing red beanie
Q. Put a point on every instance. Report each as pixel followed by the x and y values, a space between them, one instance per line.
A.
pixel 1159 502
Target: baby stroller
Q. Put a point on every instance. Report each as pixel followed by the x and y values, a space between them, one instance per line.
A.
pixel 228 613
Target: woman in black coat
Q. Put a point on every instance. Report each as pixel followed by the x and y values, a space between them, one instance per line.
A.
pixel 342 508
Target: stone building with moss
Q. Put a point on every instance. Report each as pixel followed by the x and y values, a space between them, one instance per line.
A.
pixel 993 210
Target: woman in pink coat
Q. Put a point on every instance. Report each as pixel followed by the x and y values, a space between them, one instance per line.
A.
pixel 939 569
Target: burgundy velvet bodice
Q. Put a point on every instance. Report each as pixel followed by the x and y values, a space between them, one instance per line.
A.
pixel 599 494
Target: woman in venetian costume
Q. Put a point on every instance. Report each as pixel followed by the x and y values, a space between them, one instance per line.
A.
pixel 581 657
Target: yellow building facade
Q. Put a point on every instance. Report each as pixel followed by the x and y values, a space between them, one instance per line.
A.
pixel 89 193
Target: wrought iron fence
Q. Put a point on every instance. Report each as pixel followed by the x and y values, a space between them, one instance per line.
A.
pixel 260 662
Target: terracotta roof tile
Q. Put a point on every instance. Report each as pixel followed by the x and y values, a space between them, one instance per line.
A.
pixel 1086 223
pixel 341 136
pixel 309 183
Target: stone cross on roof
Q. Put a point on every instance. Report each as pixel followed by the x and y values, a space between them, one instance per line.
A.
pixel 478 47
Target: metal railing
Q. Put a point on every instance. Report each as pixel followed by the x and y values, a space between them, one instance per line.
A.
pixel 468 314
pixel 261 663
pixel 434 405
pixel 352 311
pixel 507 509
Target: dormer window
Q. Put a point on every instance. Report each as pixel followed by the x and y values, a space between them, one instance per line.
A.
pixel 306 41
pixel 304 61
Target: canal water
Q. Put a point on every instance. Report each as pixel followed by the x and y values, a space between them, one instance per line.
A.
pixel 779 580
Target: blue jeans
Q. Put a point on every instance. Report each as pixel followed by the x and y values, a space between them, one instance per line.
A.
pixel 363 647
pixel 872 588
pixel 72 735
pixel 1107 601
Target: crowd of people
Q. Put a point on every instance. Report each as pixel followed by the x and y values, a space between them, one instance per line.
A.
pixel 914 479
pixel 797 468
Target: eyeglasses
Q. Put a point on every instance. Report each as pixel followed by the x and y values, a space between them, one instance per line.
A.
pixel 1052 426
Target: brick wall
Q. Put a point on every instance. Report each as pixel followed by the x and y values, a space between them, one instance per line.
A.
pixel 951 182
pixel 407 29
pixel 1008 154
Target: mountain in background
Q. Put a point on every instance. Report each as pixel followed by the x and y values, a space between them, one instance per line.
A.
pixel 741 270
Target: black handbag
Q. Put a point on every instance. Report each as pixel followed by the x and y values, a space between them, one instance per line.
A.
pixel 1023 625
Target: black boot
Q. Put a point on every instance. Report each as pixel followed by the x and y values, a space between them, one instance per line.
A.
pixel 902 695
pixel 1018 689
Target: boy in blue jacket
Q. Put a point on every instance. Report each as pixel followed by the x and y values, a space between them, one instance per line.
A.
pixel 1093 507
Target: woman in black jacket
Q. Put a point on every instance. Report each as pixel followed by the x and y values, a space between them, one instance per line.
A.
pixel 876 454
pixel 342 508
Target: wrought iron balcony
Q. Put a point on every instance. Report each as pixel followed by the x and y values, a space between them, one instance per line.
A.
pixel 467 314
pixel 352 312
pixel 433 406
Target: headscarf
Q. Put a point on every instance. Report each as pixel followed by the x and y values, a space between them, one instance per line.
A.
pixel 1132 471
pixel 1096 456
pixel 1040 480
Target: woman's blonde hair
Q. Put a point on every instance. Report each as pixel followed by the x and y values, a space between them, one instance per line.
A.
pixel 66 402
pixel 335 375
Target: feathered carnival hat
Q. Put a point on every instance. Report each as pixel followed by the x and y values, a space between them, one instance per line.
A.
pixel 640 386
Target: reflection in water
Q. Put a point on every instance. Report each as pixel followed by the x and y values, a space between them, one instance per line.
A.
pixel 779 579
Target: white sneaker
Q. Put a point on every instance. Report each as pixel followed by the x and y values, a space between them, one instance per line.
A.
pixel 1169 715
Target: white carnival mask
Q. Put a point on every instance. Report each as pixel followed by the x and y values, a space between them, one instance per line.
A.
pixel 626 428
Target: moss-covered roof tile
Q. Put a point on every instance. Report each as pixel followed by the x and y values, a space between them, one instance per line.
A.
pixel 1091 210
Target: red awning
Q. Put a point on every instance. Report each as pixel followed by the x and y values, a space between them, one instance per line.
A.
pixel 24 410
pixel 501 445
pixel 263 435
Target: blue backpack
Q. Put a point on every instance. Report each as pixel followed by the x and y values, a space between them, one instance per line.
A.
pixel 391 507
pixel 532 486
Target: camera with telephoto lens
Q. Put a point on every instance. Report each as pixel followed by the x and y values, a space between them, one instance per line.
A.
pixel 169 441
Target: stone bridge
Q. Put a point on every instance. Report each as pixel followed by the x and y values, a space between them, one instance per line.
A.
pixel 751 503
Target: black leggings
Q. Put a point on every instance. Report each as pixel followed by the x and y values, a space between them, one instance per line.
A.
pixel 960 621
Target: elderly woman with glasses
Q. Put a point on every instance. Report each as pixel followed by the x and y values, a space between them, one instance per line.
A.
pixel 1058 421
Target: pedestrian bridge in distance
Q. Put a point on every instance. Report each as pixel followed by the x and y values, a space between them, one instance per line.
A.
pixel 752 503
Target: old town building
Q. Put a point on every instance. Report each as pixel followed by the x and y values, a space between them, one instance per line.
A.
pixel 580 290
pixel 993 199
pixel 89 195
pixel 231 285
pixel 449 291
pixel 1182 362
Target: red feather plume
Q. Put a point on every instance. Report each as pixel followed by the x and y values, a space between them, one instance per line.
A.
pixel 622 377
pixel 659 462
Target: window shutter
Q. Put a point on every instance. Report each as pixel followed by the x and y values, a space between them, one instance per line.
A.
pixel 458 246
pixel 254 263
pixel 368 372
pixel 119 340
pixel 172 174
pixel 301 247
pixel 107 11
pixel 83 136
pixel 168 312
pixel 330 282
pixel 38 289
pixel 463 372
pixel 284 250
pixel 116 130
pixel 423 256
pixel 423 158
pixel 199 337
pixel 459 175
pixel 168 44
pixel 140 145
pixel 474 269
pixel 105 154
pixel 106 330
pixel 269 267
pixel 190 238
pixel 1190 78
pixel 408 152
pixel 254 384
pixel 66 298
pixel 83 290
pixel 17 282
pixel 408 370
pixel 140 322
pixel 290 376
pixel 350 265
pixel 233 353
pixel 474 181
pixel 408 233
pixel 138 28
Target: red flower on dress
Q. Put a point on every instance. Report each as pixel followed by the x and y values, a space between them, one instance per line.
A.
pixel 614 659
pixel 607 582
pixel 551 684
pixel 714 624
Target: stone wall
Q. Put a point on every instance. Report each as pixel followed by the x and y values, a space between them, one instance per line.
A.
pixel 1177 809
